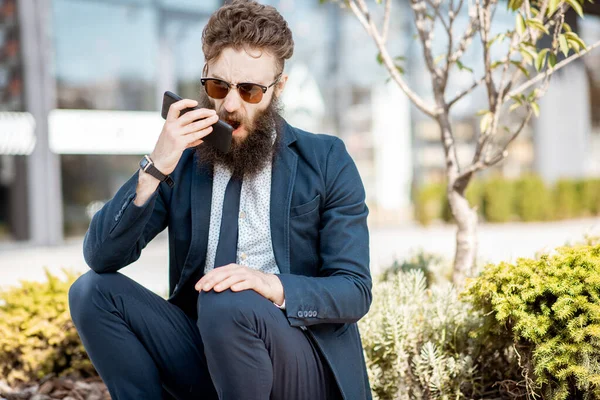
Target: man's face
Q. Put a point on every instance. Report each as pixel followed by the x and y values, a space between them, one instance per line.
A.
pixel 244 66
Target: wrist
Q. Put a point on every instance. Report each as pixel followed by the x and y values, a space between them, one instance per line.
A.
pixel 277 295
pixel 148 166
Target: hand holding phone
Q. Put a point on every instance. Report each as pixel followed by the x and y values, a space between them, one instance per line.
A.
pixel 181 132
pixel 220 137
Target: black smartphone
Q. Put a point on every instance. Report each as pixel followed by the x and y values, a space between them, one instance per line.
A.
pixel 220 137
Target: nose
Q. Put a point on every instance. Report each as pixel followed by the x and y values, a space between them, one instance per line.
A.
pixel 232 101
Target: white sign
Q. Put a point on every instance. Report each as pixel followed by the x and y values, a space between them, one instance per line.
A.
pixel 17 133
pixel 103 132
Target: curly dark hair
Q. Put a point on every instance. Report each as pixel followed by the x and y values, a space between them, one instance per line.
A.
pixel 248 24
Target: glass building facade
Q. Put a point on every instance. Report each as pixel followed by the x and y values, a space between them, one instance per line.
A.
pixel 106 63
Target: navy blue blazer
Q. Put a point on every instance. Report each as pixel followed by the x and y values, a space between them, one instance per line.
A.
pixel 318 229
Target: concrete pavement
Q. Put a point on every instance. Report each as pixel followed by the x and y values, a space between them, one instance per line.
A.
pixel 501 242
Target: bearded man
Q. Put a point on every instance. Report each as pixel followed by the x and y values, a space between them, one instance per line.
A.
pixel 268 244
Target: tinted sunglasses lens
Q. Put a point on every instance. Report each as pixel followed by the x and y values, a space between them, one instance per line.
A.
pixel 216 89
pixel 250 93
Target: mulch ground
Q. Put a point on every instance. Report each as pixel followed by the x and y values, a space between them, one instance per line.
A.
pixel 52 388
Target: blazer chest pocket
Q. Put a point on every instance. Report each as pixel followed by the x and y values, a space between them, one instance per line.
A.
pixel 306 208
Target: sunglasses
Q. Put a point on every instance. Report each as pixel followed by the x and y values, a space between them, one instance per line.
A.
pixel 249 92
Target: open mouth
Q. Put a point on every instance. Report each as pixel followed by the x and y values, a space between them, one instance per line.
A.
pixel 234 124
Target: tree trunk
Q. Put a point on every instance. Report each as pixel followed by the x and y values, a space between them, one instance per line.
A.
pixel 466 236
pixel 464 215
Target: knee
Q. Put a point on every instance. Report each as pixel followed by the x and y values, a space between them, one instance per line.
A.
pixel 229 308
pixel 82 292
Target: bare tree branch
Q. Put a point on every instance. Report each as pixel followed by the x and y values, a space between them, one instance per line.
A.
pixel 551 71
pixel 419 8
pixel 389 63
pixel 484 31
pixel 466 91
pixel 466 39
pixel 386 20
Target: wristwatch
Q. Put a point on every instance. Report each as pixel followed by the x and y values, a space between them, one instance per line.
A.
pixel 147 165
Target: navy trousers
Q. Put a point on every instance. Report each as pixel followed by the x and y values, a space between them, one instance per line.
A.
pixel 240 347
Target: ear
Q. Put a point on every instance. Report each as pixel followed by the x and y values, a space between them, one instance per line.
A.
pixel 281 84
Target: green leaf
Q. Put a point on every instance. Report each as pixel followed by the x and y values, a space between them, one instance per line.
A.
pixel 553 6
pixel 513 107
pixel 567 27
pixel 541 59
pixel 564 46
pixel 461 66
pixel 485 122
pixel 573 37
pixel 534 23
pixel 499 37
pixel 482 112
pixel 527 57
pixel 536 108
pixel 533 95
pixel 514 5
pixel 399 69
pixel 551 60
pixel 576 6
pixel 520 24
pixel 379 58
pixel 521 67
pixel 496 64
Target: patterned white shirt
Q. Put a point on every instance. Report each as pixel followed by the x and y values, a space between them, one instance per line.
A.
pixel 255 248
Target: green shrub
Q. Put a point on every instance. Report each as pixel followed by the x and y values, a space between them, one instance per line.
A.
pixel 550 308
pixel 533 200
pixel 37 336
pixel 566 199
pixel 429 202
pixel 435 268
pixel 418 344
pixel 590 196
pixel 498 200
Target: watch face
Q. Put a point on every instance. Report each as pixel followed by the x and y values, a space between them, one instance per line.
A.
pixel 144 163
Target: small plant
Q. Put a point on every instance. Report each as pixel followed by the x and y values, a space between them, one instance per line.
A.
pixel 550 307
pixel 37 336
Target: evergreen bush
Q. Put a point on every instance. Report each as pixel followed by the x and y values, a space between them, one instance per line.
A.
pixel 429 202
pixel 533 200
pixel 566 199
pixel 37 336
pixel 498 200
pixel 590 196
pixel 419 344
pixel 550 308
pixel 435 267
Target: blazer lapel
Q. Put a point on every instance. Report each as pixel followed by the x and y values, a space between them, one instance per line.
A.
pixel 283 177
pixel 200 202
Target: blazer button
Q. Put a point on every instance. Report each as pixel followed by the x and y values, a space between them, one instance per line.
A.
pixel 314 313
pixel 305 314
pixel 299 314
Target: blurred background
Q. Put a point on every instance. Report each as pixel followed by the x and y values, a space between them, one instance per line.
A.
pixel 81 84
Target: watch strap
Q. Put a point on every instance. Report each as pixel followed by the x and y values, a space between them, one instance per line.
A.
pixel 147 166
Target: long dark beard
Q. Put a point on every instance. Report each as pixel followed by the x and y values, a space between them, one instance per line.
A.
pixel 248 156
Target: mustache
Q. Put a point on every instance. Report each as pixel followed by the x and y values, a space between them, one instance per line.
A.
pixel 232 119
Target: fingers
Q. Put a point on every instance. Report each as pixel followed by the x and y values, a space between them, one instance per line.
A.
pixel 199 125
pixel 176 107
pixel 232 280
pixel 194 144
pixel 194 115
pixel 215 276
